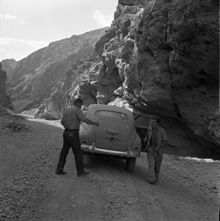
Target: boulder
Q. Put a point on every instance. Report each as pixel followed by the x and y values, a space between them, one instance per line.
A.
pixel 162 56
pixel 178 61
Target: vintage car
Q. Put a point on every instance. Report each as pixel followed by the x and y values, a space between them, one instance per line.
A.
pixel 116 134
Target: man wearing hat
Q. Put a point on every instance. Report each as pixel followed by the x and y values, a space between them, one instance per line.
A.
pixel 71 119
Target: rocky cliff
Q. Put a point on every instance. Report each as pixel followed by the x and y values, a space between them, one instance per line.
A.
pixel 75 80
pixel 163 57
pixel 4 98
pixel 36 76
pixel 9 65
pixel 159 56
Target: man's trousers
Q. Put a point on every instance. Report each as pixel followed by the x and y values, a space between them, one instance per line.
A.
pixel 154 163
pixel 71 139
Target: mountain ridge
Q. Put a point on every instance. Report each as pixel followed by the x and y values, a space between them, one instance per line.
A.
pixel 34 76
pixel 154 58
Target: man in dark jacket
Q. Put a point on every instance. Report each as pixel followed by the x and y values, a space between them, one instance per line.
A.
pixel 155 139
pixel 71 121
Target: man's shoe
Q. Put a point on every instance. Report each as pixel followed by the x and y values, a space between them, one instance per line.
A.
pixel 84 173
pixel 60 172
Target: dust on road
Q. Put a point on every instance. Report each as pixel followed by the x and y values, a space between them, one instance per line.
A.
pixel 29 189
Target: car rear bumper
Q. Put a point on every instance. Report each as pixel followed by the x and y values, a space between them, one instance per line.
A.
pixel 94 149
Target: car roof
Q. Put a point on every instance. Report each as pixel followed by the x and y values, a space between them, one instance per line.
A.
pixel 95 107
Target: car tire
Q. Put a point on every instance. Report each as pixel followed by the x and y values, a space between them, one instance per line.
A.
pixel 130 164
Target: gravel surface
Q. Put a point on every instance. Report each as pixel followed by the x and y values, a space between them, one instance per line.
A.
pixel 29 190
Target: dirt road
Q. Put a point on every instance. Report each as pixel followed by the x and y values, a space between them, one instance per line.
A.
pixel 29 189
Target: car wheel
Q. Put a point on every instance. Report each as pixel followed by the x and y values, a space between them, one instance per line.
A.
pixel 130 164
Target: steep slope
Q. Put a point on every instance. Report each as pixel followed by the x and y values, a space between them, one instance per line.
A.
pixel 163 57
pixel 75 79
pixel 9 65
pixel 35 76
pixel 4 98
pixel 178 61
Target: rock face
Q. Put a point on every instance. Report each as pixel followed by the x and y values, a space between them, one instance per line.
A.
pixel 178 62
pixel 133 2
pixel 76 82
pixel 4 98
pixel 9 65
pixel 36 76
pixel 164 54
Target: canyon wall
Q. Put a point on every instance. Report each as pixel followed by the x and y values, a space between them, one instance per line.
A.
pixel 163 57
pixel 4 98
pixel 36 77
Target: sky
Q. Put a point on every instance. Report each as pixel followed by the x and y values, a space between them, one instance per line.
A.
pixel 28 25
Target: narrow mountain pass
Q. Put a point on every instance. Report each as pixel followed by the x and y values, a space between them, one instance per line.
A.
pixel 30 190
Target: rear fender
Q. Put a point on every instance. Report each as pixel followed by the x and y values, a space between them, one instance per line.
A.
pixel 86 133
pixel 135 141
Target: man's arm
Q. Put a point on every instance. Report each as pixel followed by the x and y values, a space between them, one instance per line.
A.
pixel 83 118
pixel 161 138
pixel 88 121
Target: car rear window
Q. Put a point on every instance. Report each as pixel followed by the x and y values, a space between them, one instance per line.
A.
pixel 112 114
